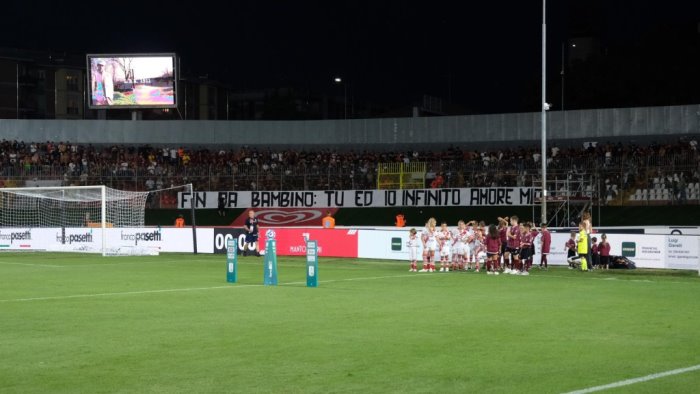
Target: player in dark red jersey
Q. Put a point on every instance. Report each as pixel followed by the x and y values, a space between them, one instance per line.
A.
pixel 513 248
pixel 503 234
pixel 525 249
pixel 493 248
pixel 546 239
pixel 534 233
pixel 604 250
pixel 570 246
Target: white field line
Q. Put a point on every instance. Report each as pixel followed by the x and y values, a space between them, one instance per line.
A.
pixel 85 265
pixel 33 265
pixel 636 380
pixel 300 264
pixel 94 295
pixel 173 262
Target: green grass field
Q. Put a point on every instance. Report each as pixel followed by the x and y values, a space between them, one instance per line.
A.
pixel 85 324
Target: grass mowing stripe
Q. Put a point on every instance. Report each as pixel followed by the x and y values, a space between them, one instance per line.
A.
pixel 636 380
pixel 192 289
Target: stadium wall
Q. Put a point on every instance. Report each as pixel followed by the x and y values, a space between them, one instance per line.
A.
pixel 506 128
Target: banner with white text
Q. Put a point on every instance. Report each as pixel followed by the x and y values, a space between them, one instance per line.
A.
pixel 493 196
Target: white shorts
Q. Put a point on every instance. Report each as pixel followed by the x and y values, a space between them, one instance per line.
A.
pixel 458 248
pixel 472 248
pixel 413 253
pixel 445 251
pixel 467 250
pixel 431 246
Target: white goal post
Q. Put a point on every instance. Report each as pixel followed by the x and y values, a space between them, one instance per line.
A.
pixel 77 219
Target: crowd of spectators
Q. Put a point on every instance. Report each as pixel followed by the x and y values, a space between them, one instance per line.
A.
pixel 263 168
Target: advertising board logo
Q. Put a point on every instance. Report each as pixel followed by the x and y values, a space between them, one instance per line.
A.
pixel 16 236
pixel 222 235
pixel 272 217
pixel 629 249
pixel 396 244
pixel 74 238
pixel 147 236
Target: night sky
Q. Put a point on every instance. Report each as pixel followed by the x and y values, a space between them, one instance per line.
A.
pixel 479 56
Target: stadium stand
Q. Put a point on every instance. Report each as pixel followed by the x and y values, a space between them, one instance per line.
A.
pixel 625 173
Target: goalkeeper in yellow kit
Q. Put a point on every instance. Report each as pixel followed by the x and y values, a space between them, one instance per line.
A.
pixel 582 245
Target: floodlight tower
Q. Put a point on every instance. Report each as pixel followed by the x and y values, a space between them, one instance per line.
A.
pixel 545 107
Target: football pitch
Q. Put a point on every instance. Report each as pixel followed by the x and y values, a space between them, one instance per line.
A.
pixel 81 323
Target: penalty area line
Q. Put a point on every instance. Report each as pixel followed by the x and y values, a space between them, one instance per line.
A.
pixel 636 380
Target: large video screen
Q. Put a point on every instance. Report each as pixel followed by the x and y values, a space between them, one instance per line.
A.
pixel 132 81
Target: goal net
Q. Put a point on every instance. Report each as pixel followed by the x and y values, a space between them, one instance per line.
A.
pixel 77 218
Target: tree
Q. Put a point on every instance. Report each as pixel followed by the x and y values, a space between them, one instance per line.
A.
pixel 124 64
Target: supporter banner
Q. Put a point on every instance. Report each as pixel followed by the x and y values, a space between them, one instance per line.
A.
pixel 330 242
pixel 495 196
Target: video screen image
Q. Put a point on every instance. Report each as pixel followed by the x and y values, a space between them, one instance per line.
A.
pixel 132 81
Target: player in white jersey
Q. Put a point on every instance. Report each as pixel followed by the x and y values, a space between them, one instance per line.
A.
pixel 475 242
pixel 468 240
pixel 413 244
pixel 424 239
pixel 479 249
pixel 430 245
pixel 465 236
pixel 458 246
pixel 445 241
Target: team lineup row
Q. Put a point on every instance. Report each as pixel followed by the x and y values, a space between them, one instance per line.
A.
pixel 508 247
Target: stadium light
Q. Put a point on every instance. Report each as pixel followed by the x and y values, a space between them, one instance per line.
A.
pixel 339 80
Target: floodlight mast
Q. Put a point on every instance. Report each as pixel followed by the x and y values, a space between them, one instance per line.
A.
pixel 545 107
